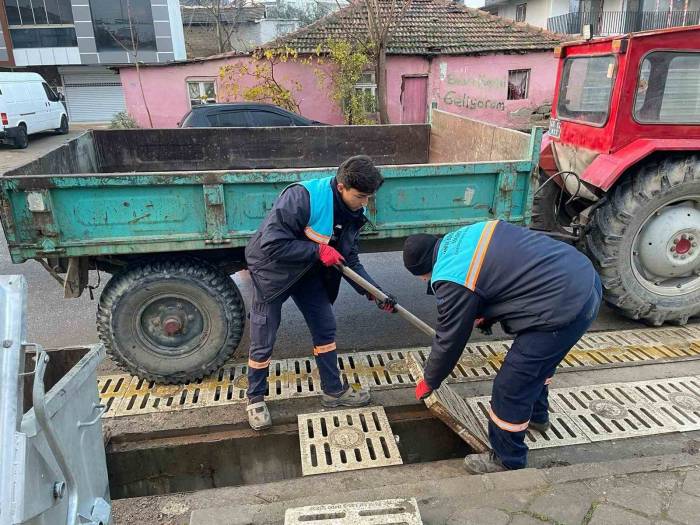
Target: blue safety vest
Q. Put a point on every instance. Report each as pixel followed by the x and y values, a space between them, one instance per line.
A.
pixel 320 227
pixel 462 253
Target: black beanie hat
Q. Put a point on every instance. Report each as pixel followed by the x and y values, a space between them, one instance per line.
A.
pixel 418 253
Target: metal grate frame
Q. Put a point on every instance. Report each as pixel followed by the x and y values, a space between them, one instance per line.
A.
pixel 342 440
pixel 384 512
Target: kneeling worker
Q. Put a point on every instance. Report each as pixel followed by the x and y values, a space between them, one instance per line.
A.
pixel 542 290
pixel 313 226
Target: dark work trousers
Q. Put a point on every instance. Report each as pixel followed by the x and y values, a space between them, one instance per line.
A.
pixel 520 390
pixel 309 294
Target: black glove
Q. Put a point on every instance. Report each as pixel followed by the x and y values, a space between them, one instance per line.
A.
pixel 484 326
pixel 388 304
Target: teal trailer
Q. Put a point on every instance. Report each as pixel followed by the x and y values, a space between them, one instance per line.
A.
pixel 168 213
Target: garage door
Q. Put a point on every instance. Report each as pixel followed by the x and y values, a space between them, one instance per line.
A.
pixel 93 96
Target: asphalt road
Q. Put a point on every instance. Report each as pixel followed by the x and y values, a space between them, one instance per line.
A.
pixel 57 322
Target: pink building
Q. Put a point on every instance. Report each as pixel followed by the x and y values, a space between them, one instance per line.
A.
pixel 451 57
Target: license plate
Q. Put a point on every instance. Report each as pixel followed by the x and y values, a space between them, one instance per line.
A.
pixel 554 127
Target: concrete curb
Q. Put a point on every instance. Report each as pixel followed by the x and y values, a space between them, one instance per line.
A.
pixel 430 483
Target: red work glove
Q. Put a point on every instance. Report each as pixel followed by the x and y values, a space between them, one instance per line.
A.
pixel 423 390
pixel 484 326
pixel 329 256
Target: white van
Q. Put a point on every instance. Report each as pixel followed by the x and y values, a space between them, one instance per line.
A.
pixel 28 105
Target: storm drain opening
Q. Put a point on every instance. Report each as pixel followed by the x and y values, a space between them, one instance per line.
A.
pixel 346 440
pixel 145 467
pixel 384 512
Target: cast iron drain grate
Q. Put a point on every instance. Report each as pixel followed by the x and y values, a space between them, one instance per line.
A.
pixel 112 389
pixel 611 411
pixel 384 369
pixel 143 397
pixel 229 385
pixel 343 440
pixel 563 431
pixel 384 512
pixel 452 410
pixel 298 377
pixel 678 398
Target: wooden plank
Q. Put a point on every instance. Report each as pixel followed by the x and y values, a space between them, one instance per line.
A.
pixel 454 138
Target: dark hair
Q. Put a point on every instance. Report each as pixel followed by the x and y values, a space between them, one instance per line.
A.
pixel 360 173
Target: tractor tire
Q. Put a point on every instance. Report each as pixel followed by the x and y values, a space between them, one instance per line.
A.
pixel 645 242
pixel 171 321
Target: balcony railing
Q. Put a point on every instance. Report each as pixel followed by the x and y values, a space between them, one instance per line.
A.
pixel 604 23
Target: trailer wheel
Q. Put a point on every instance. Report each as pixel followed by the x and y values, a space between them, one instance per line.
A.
pixel 171 321
pixel 645 242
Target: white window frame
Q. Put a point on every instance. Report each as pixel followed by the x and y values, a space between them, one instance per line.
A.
pixel 202 90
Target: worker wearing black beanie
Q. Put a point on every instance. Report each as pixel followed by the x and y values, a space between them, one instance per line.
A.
pixel 418 251
pixel 544 291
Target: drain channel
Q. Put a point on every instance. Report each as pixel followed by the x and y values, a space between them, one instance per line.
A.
pixel 298 377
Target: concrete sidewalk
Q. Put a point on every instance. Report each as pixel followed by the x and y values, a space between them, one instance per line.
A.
pixel 640 491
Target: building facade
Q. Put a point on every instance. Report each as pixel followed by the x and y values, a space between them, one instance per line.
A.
pixel 604 17
pixel 75 45
pixel 483 67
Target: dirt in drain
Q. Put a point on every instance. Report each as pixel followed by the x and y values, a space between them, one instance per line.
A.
pixel 151 471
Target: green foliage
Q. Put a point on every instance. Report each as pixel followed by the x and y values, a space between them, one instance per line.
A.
pixel 350 63
pixel 123 120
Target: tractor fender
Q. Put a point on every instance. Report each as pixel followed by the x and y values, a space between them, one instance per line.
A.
pixel 606 169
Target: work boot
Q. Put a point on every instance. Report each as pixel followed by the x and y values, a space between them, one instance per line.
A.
pixel 258 416
pixel 540 427
pixel 349 398
pixel 483 463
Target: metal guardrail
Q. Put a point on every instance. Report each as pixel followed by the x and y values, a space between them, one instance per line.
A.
pixel 605 23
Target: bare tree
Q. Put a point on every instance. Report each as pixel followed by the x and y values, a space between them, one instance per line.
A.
pixel 133 52
pixel 382 18
pixel 224 16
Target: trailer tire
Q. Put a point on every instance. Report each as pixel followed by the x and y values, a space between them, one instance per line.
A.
pixel 171 321
pixel 633 238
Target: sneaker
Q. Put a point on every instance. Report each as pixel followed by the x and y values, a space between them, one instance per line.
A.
pixel 483 463
pixel 349 398
pixel 259 416
pixel 540 427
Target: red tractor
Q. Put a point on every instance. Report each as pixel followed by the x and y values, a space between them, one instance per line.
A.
pixel 620 167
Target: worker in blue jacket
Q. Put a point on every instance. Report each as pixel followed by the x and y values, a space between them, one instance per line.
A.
pixel 313 226
pixel 542 290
